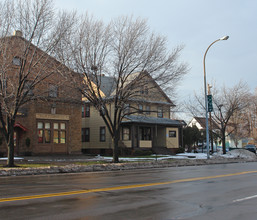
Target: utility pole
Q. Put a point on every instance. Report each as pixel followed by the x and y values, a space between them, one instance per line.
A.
pixel 210 118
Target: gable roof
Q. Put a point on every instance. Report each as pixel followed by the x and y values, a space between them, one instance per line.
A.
pixel 21 39
pixel 158 87
pixel 202 122
pixel 107 85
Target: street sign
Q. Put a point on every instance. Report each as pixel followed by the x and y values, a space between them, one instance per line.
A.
pixel 209 100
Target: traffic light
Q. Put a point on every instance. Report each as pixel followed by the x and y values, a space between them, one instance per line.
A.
pixel 209 100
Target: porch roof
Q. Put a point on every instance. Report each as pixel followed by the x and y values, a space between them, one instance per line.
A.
pixel 151 120
pixel 19 125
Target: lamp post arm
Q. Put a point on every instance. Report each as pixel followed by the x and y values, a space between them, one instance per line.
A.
pixel 206 54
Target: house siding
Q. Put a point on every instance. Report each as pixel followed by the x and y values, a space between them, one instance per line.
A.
pixel 94 122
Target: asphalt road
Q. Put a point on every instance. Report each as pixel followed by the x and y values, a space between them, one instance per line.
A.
pixel 201 192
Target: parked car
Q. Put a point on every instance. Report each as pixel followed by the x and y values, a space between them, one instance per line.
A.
pixel 250 147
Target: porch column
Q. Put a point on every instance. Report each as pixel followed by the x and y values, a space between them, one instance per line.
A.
pixel 133 136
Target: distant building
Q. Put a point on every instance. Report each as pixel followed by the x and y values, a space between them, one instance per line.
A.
pixel 200 123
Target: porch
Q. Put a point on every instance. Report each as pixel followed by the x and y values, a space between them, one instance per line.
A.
pixel 150 133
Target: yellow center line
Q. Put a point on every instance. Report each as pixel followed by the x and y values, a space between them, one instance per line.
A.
pixel 121 187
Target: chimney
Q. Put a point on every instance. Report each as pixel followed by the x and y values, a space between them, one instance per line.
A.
pixel 17 33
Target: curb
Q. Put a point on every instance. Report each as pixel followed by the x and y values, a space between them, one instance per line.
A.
pixel 113 167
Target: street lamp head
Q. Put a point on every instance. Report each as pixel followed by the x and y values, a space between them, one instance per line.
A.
pixel 224 38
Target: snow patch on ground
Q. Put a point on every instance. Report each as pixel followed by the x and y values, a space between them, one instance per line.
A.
pixel 192 155
pixel 15 158
pixel 160 157
pixel 239 153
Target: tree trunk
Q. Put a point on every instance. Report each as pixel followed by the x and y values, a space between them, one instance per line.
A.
pixel 223 142
pixel 10 161
pixel 116 147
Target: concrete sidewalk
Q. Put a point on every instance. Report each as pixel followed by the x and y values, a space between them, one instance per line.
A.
pixel 66 165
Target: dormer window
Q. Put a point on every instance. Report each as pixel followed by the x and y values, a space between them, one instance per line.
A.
pixel 16 61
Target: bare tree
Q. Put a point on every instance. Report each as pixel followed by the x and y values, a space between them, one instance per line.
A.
pixel 128 53
pixel 248 118
pixel 23 65
pixel 228 104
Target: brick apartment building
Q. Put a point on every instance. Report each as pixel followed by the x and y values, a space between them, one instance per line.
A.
pixel 50 123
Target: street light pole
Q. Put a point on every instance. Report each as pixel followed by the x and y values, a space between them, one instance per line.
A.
pixel 205 95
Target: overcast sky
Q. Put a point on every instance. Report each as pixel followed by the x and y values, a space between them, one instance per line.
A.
pixel 195 24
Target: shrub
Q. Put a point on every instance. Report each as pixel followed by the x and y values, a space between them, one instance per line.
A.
pixel 181 150
pixel 140 152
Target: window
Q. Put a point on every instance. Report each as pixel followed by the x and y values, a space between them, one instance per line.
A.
pixel 85 134
pixel 59 133
pixel 56 133
pixel 16 61
pixel 102 134
pixel 160 112
pixel 145 133
pixel 47 132
pixel 144 90
pixel 125 134
pixel 83 111
pixel 28 87
pixel 86 111
pixel 140 109
pixel 15 138
pixel 148 110
pixel 53 91
pixel 172 133
pixel 63 133
pixel 40 132
pixel 3 86
pixel 51 132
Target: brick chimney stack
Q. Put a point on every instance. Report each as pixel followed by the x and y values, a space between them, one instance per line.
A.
pixel 17 33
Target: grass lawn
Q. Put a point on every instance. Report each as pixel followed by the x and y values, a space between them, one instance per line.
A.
pixel 24 164
pixel 37 164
